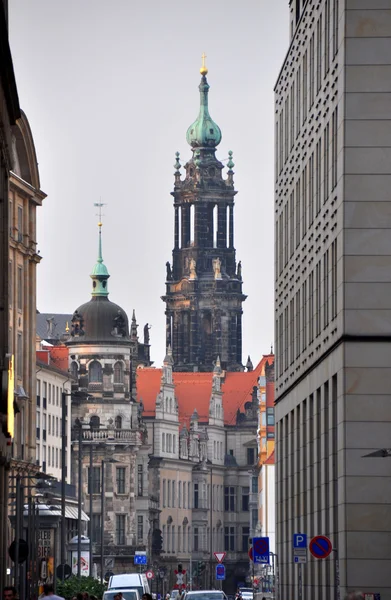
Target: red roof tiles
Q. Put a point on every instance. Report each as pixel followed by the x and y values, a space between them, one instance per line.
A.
pixel 193 390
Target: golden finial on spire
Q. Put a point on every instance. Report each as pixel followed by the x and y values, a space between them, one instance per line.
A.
pixel 67 327
pixel 99 206
pixel 203 69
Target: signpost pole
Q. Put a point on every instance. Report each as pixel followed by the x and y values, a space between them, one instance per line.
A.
pixel 337 578
pixel 300 582
pixel 273 574
pixel 191 574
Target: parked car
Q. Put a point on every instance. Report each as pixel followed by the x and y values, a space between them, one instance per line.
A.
pixel 129 581
pixel 246 593
pixel 174 594
pixel 205 595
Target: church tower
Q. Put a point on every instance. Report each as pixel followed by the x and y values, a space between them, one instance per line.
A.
pixel 204 284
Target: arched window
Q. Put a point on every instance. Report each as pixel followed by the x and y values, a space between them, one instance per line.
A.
pixel 95 371
pixel 118 373
pixel 118 422
pixel 74 369
pixel 94 422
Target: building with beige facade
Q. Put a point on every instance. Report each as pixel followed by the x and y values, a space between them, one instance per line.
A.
pixel 332 302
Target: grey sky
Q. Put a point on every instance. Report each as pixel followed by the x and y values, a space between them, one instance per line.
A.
pixel 110 89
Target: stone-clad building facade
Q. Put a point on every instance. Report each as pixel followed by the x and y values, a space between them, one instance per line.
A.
pixel 333 306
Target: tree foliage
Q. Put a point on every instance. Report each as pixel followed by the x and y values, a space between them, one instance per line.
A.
pixel 72 586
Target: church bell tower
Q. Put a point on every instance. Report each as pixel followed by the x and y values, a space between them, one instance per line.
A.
pixel 204 284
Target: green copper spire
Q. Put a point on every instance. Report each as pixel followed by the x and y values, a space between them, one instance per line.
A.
pixel 99 273
pixel 203 132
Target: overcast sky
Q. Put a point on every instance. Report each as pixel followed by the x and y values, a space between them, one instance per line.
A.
pixel 110 89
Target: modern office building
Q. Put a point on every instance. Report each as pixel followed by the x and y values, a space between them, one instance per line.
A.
pixel 333 301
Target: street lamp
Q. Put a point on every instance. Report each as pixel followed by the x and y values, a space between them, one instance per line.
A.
pixel 64 396
pixel 382 453
pixel 93 427
pixel 102 510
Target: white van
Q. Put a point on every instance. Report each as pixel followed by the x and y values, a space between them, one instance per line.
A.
pixel 126 594
pixel 129 581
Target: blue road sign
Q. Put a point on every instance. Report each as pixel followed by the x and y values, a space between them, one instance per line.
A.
pixel 300 540
pixel 220 571
pixel 140 559
pixel 261 550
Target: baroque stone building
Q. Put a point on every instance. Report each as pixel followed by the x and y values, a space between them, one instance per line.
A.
pixel 203 432
pixel 107 430
pixel 204 285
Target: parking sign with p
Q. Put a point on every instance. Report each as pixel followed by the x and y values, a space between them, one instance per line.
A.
pixel 300 540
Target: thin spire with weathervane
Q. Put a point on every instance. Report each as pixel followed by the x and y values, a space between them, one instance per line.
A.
pixel 99 274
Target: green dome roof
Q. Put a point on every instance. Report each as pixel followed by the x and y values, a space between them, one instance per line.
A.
pixel 204 132
pixel 99 269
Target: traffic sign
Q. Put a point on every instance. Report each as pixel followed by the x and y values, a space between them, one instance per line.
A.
pixel 300 540
pixel 140 559
pixel 220 572
pixel 250 554
pixel 261 550
pixel 320 546
pixel 149 574
pixel 300 559
pixel 220 556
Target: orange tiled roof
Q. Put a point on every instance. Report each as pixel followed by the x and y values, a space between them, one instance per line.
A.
pixel 59 357
pixel 193 390
pixel 56 356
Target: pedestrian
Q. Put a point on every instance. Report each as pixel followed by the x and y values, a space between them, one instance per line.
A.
pixel 146 596
pixel 10 593
pixel 48 593
pixel 86 596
